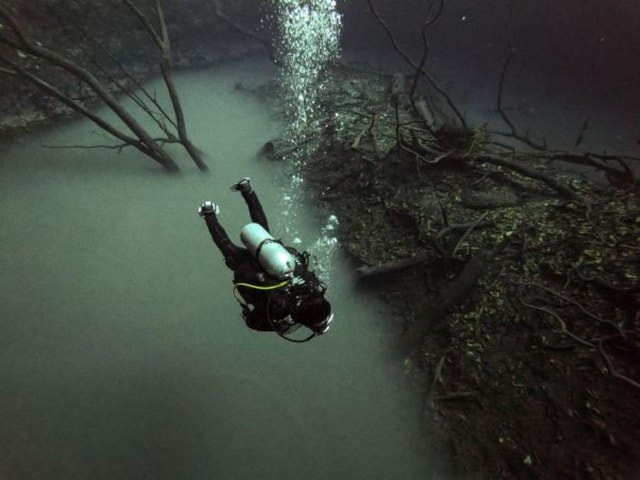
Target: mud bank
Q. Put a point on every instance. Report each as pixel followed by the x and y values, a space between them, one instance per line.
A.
pixel 515 295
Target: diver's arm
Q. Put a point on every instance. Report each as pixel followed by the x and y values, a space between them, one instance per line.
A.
pixel 255 209
pixel 229 250
pixel 251 199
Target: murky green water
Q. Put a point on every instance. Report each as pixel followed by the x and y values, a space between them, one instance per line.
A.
pixel 122 353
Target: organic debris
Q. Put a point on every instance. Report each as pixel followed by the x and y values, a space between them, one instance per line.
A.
pixel 518 282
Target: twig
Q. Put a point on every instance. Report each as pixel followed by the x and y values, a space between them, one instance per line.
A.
pixel 425 42
pixel 437 375
pixel 129 91
pixel 159 41
pixel 513 131
pixel 594 160
pixel 579 305
pixel 411 63
pixel 367 131
pixel 417 155
pixel 468 232
pixel 423 61
pixel 482 179
pixel 585 125
pixel 563 325
pixel 244 30
pixel 612 371
pixel 9 71
pixel 118 147
pixel 463 226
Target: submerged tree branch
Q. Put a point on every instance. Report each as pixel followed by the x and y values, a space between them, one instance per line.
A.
pixel 415 66
pixel 164 46
pixel 145 142
pixel 19 41
pixel 529 172
pixel 266 43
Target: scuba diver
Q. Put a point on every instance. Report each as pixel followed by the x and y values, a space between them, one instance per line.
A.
pixel 278 290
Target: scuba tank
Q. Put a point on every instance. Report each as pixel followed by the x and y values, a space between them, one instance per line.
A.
pixel 272 256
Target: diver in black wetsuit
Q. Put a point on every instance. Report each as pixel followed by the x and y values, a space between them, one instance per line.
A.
pixel 278 290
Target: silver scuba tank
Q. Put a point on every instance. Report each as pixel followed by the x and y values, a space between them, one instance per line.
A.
pixel 271 255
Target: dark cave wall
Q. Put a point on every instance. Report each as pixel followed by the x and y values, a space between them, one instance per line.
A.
pixel 592 38
pixel 584 36
pixel 578 50
pixel 577 54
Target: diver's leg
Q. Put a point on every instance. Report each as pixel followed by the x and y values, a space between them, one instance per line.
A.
pixel 255 207
pixel 229 250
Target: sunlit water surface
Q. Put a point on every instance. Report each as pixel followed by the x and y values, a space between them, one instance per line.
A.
pixel 122 352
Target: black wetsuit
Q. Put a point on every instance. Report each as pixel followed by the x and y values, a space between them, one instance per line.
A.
pixel 269 306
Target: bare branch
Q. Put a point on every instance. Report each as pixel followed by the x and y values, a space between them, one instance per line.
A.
pixel 468 232
pixel 529 172
pixel 8 71
pixel 165 69
pixel 144 141
pixel 73 104
pixel 583 128
pixel 612 370
pixel 244 30
pixel 118 146
pixel 6 15
pixel 513 131
pixel 415 66
pixel 425 43
pixel 145 23
pixel 579 305
pixel 563 325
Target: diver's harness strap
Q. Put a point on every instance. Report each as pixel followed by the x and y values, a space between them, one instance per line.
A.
pixel 268 288
pixel 265 242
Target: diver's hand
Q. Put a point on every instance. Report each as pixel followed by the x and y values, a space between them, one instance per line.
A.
pixel 208 208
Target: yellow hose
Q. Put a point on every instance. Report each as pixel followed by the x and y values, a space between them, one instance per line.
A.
pixel 258 287
pixel 255 287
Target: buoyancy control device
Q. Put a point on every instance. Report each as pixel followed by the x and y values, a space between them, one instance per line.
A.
pixel 270 253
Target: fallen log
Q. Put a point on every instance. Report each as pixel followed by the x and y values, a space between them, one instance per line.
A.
pixel 528 171
pixel 594 160
pixel 452 294
pixel 423 111
pixel 399 92
pixel 394 266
